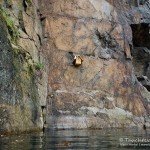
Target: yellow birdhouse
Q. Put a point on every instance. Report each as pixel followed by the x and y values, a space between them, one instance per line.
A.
pixel 77 61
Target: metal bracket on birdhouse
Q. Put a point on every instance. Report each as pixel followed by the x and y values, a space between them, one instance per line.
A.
pixel 77 60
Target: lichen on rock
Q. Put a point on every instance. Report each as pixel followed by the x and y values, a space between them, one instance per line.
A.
pixel 20 104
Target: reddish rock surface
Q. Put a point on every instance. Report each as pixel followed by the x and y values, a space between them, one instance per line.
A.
pixel 105 85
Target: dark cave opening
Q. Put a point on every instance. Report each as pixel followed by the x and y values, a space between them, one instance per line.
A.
pixel 137 3
pixel 141 53
pixel 141 36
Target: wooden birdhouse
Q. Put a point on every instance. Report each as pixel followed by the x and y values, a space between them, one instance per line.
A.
pixel 77 61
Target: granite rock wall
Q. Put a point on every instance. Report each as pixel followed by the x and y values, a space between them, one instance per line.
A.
pixel 40 85
pixel 23 77
pixel 104 91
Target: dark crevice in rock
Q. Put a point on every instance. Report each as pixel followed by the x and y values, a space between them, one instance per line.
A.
pixel 25 5
pixel 40 40
pixel 137 3
pixel 41 16
pixel 141 36
pixel 43 108
pixel 144 81
pixel 21 22
pixel 141 53
pixel 142 2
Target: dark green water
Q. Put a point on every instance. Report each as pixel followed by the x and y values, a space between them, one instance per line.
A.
pixel 78 139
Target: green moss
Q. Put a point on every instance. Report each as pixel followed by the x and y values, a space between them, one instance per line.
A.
pixel 24 78
pixel 29 2
pixel 39 66
pixel 16 51
pixel 13 31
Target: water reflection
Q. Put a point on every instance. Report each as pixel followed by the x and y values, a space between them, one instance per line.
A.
pixel 72 139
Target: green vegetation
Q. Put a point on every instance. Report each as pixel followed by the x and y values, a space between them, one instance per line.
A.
pixel 29 2
pixel 13 31
pixel 39 66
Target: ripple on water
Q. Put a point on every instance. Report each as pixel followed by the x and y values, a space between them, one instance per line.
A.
pixel 72 140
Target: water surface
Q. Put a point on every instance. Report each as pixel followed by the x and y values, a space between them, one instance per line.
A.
pixel 77 139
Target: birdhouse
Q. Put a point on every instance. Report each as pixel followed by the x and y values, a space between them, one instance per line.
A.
pixel 77 61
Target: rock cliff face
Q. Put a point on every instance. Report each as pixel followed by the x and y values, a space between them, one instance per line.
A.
pixel 104 90
pixel 22 75
pixel 39 40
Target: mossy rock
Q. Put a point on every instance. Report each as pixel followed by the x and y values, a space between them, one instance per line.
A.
pixel 13 31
